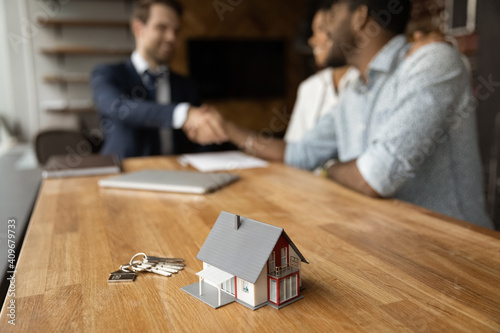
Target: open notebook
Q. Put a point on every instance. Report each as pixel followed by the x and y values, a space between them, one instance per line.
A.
pixel 170 181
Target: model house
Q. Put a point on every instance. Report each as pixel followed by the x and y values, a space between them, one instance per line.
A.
pixel 249 262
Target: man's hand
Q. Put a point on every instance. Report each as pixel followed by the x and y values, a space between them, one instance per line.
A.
pixel 421 39
pixel 204 125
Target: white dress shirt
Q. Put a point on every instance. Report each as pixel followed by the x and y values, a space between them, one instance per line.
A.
pixel 163 96
pixel 316 97
pixel 162 89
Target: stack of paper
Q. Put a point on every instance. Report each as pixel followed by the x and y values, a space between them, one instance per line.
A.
pixel 228 160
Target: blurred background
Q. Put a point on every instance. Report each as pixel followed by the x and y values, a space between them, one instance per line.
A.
pixel 248 56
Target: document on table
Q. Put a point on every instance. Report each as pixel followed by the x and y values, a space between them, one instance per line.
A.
pixel 227 160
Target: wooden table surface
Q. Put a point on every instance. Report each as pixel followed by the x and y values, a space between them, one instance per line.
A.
pixel 375 265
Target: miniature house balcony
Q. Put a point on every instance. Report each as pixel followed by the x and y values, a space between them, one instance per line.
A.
pixel 283 271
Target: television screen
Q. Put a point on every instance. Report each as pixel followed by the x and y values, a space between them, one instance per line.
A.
pixel 239 68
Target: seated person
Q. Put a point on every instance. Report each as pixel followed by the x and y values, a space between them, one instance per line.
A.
pixel 318 94
pixel 145 108
pixel 404 129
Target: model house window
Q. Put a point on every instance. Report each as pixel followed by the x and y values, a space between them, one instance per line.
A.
pixel 283 293
pixel 294 261
pixel 272 291
pixel 293 286
pixel 283 257
pixel 288 288
pixel 272 266
pixel 245 287
pixel 228 286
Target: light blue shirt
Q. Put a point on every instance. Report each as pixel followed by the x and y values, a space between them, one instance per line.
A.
pixel 412 129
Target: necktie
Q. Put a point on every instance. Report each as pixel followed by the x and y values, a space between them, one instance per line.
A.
pixel 150 84
pixel 152 81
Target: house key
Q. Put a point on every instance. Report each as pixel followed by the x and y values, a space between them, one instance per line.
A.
pixel 158 260
pixel 159 271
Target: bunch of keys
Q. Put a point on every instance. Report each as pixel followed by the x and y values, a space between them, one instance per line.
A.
pixel 157 265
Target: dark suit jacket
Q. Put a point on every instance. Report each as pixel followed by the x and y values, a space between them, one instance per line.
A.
pixel 130 120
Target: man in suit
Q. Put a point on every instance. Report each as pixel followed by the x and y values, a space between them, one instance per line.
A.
pixel 145 108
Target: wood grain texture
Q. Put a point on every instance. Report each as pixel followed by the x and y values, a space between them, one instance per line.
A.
pixel 375 265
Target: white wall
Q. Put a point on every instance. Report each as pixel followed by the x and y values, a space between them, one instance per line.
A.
pixel 6 107
pixel 261 287
pixel 17 94
pixel 244 296
pixel 22 89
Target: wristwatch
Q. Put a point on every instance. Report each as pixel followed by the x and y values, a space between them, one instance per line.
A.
pixel 327 166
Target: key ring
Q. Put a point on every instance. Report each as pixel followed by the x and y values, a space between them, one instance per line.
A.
pixel 127 268
pixel 136 255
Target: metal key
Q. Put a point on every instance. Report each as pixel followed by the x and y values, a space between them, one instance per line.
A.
pixel 140 266
pixel 158 265
pixel 159 271
pixel 167 269
pixel 171 266
pixel 157 260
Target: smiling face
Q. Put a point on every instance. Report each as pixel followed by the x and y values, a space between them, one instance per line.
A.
pixel 341 35
pixel 157 38
pixel 319 41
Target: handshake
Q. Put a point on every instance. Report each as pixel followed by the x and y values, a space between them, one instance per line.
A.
pixel 204 125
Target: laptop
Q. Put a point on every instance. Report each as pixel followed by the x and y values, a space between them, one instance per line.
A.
pixel 170 181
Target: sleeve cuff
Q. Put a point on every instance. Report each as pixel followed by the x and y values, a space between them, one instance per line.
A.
pixel 180 115
pixel 376 165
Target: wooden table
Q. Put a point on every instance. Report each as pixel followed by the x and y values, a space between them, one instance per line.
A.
pixel 375 265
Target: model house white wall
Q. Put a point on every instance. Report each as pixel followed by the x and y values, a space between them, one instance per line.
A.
pixel 261 288
pixel 247 297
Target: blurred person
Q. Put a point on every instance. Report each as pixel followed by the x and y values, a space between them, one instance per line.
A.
pixel 145 108
pixel 404 129
pixel 319 93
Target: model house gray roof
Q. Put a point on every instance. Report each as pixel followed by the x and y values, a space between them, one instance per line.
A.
pixel 242 251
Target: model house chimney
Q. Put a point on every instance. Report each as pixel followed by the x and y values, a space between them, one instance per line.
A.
pixel 237 222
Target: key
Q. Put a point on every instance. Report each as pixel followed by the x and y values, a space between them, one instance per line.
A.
pixel 166 269
pixel 156 270
pixel 140 266
pixel 177 264
pixel 172 266
pixel 153 259
pixel 122 276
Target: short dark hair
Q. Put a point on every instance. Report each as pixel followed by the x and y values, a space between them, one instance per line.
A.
pixel 392 15
pixel 325 5
pixel 143 8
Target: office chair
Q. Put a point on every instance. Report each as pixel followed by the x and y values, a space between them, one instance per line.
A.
pixel 60 142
